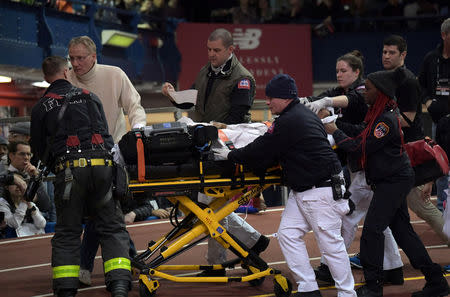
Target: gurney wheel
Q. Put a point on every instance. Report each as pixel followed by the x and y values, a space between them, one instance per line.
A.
pixel 282 287
pixel 144 291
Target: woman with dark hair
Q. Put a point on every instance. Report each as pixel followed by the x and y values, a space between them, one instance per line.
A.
pixel 350 107
pixel 22 216
pixel 349 103
pixel 379 144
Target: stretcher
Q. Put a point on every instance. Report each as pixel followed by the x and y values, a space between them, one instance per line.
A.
pixel 223 181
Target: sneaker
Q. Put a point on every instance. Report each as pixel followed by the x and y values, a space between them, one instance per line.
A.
pixel 315 293
pixel 85 277
pixel 364 291
pixel 261 245
pixel 355 261
pixel 447 269
pixel 212 273
pixel 393 276
pixel 323 274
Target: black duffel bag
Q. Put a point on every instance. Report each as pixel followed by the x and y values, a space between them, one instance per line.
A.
pixel 167 143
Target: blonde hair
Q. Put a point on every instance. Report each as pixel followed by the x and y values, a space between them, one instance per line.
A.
pixel 86 41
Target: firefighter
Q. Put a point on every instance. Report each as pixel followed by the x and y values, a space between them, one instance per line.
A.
pixel 69 134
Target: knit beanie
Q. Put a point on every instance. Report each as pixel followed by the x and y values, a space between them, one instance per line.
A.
pixel 21 128
pixel 281 86
pixel 387 81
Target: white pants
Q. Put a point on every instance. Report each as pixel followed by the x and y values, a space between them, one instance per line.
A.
pixel 235 225
pixel 361 196
pixel 315 210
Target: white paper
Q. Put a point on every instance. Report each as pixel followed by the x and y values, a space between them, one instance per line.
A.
pixel 186 96
pixel 330 119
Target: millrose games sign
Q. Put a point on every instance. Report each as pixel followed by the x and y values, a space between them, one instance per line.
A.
pixel 265 50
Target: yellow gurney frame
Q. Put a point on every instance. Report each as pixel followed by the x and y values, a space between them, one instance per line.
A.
pixel 204 220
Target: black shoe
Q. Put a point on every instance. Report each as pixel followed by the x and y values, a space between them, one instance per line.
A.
pixel 261 245
pixel 393 277
pixel 315 293
pixel 67 293
pixel 364 291
pixel 211 273
pixel 323 273
pixel 438 288
pixel 120 288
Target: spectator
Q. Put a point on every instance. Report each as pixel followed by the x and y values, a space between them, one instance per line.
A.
pixel 299 11
pixel 9 179
pixel 3 150
pixel 19 132
pixel 245 13
pixel 394 8
pixel 19 156
pixel 265 11
pixel 130 5
pixel 24 217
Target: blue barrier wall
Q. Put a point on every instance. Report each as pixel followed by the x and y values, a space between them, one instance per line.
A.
pixel 30 33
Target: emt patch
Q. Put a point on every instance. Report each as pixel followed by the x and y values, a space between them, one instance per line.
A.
pixel 381 130
pixel 244 84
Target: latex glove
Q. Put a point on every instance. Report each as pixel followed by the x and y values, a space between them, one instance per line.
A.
pixel 303 100
pixel 317 105
pixel 130 217
pixel 117 155
pixel 221 153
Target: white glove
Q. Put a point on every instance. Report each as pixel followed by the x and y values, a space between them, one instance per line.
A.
pixel 317 105
pixel 117 155
pixel 303 100
pixel 221 153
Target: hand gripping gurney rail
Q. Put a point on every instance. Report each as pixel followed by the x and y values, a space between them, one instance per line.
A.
pixel 219 179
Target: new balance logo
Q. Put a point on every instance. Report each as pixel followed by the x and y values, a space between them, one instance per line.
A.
pixel 247 40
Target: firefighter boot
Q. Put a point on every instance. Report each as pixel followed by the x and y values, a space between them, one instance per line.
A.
pixel 120 288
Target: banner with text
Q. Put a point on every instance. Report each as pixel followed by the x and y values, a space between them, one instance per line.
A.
pixel 265 50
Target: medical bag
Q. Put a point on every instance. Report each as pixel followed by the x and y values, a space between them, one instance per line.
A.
pixel 167 144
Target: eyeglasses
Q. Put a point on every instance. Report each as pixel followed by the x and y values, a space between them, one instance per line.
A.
pixel 79 58
pixel 23 154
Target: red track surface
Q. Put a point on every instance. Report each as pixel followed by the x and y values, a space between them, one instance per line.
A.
pixel 25 263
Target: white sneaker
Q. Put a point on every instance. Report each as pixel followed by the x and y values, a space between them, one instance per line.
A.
pixel 85 277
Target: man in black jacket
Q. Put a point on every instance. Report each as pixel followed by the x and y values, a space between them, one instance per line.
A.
pixel 69 134
pixel 298 141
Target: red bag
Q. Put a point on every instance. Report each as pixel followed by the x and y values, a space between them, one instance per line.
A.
pixel 428 160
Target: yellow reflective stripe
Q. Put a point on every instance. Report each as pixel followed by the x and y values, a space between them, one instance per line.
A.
pixel 66 271
pixel 117 263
